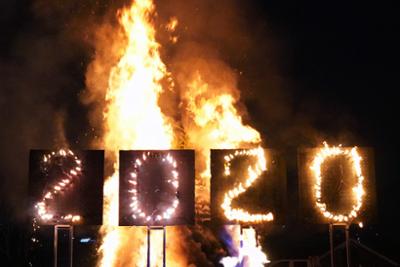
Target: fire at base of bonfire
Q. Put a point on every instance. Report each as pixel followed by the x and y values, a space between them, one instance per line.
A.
pixel 249 253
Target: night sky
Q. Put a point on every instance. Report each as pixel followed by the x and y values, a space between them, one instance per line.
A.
pixel 307 72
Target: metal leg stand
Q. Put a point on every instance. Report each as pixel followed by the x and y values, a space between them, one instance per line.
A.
pixel 71 243
pixel 348 245
pixel 331 244
pixel 149 248
pixel 347 242
pixel 241 236
pixel 55 245
pixel 164 246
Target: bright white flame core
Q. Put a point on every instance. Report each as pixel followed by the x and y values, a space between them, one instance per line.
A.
pixel 250 254
pixel 64 183
pixel 358 190
pixel 172 179
pixel 254 173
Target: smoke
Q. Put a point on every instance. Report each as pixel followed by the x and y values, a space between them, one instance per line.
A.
pixel 34 77
pixel 45 47
pixel 258 48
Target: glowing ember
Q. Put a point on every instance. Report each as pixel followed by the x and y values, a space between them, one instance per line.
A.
pixel 358 190
pixel 254 172
pixel 172 24
pixel 68 176
pixel 171 180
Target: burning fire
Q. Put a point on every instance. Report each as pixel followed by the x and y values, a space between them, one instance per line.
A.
pixel 358 190
pixel 171 27
pixel 253 173
pixel 250 254
pixel 212 121
pixel 64 183
pixel 133 119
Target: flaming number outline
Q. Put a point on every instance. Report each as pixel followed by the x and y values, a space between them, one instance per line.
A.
pixel 42 207
pixel 172 179
pixel 254 173
pixel 358 190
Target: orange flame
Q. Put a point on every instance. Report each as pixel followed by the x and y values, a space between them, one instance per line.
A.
pixel 133 119
pixel 212 121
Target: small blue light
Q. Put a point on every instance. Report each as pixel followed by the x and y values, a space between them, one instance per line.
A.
pixel 85 240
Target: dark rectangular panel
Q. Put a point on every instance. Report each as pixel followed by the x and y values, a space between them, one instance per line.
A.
pixel 62 183
pixel 154 182
pixel 337 182
pixel 266 194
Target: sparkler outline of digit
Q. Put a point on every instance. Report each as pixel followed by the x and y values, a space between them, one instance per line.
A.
pixel 173 180
pixel 319 159
pixel 70 175
pixel 254 172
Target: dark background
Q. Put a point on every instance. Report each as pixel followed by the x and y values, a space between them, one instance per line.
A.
pixel 309 71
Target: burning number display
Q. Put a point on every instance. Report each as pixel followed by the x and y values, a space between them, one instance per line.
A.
pixel 358 190
pixel 253 173
pixel 66 187
pixel 156 187
pixel 239 177
pixel 336 185
pixel 69 174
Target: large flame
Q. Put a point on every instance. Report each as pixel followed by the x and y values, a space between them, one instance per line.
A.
pixel 211 120
pixel 133 117
pixel 133 120
pixel 125 82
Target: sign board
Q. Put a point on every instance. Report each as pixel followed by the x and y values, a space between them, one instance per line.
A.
pixel 345 194
pixel 231 170
pixel 66 187
pixel 156 187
